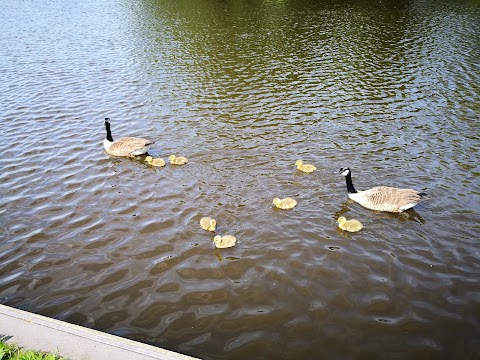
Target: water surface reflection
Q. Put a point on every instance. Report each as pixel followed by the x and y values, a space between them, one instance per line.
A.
pixel 244 90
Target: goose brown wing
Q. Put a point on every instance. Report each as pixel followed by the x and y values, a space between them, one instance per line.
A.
pixel 392 199
pixel 125 146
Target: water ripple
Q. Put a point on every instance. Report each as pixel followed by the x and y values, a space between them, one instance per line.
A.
pixel 389 90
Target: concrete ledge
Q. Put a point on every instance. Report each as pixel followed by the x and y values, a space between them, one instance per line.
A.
pixel 74 342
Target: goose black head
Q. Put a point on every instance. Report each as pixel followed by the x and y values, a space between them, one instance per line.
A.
pixel 344 171
pixel 109 132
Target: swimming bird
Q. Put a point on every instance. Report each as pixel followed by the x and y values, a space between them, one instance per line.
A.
pixel 223 242
pixel 285 204
pixel 155 162
pixel 308 168
pixel 126 146
pixel 382 198
pixel 208 224
pixel 349 225
pixel 177 160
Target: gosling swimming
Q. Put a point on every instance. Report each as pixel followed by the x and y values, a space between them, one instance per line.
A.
pixel 285 204
pixel 307 168
pixel 177 160
pixel 126 146
pixel 155 162
pixel 349 225
pixel 382 198
pixel 223 242
pixel 208 224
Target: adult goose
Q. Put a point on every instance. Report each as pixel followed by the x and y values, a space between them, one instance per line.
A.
pixel 126 146
pixel 382 198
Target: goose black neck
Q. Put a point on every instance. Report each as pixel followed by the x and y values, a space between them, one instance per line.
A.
pixel 107 127
pixel 350 187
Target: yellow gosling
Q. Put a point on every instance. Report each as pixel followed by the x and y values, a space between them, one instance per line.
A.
pixel 307 168
pixel 208 223
pixel 349 225
pixel 177 160
pixel 284 204
pixel 155 162
pixel 223 242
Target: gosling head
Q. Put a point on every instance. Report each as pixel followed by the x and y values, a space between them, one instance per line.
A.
pixel 217 240
pixel 213 224
pixel 341 220
pixel 149 159
pixel 171 157
pixel 276 201
pixel 299 163
pixel 344 172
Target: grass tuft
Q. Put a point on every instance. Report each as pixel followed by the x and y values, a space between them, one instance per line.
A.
pixel 9 351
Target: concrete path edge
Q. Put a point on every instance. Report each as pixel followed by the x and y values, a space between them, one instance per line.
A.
pixel 37 332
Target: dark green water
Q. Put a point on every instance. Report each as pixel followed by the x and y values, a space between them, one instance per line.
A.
pixel 244 89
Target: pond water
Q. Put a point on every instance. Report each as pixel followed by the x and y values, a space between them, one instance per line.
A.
pixel 243 89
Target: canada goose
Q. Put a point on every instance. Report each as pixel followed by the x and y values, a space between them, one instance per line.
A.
pixel 285 204
pixel 308 168
pixel 126 146
pixel 208 224
pixel 349 225
pixel 223 242
pixel 382 198
pixel 177 160
pixel 155 162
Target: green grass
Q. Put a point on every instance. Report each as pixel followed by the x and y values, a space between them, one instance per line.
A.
pixel 14 352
